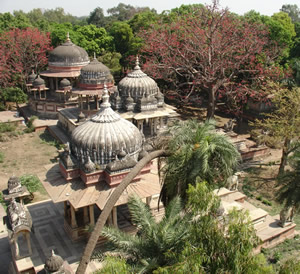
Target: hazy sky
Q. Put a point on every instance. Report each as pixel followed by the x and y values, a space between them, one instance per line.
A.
pixel 81 7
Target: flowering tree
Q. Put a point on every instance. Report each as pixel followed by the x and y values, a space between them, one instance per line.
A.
pixel 20 52
pixel 208 50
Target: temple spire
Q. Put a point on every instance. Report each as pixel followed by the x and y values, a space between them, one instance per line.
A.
pixel 95 56
pixel 137 63
pixel 68 37
pixel 105 98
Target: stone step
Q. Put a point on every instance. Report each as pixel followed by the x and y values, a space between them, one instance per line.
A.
pixel 58 134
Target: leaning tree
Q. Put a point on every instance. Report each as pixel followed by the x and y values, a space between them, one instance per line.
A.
pixel 207 51
pixel 203 147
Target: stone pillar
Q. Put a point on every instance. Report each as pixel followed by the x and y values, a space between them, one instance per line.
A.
pixel 151 126
pixel 115 217
pixel 88 102
pixel 148 200
pixel 92 217
pixel 56 83
pixel 27 235
pixel 73 217
pixel 85 215
pixel 154 125
pixel 17 250
pixel 161 122
pixel 97 104
pixel 51 84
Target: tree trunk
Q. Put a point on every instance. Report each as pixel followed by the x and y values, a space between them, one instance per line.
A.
pixel 284 156
pixel 109 206
pixel 211 104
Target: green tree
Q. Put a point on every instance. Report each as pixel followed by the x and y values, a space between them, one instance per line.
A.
pixel 293 11
pixel 196 150
pixel 283 123
pixel 12 94
pixel 149 248
pixel 289 187
pixel 97 17
pixel 216 244
pixel 111 60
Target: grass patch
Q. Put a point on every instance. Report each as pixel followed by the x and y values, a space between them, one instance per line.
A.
pixel 2 156
pixel 32 182
pixel 7 127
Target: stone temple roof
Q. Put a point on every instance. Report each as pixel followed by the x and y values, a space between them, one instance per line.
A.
pixel 105 136
pixel 95 73
pixel 137 84
pixel 68 55
pixel 54 263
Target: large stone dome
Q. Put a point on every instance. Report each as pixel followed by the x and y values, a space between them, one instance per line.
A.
pixel 68 55
pixel 95 74
pixel 137 84
pixel 105 137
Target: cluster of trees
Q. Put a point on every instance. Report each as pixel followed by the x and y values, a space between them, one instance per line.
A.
pixel 194 49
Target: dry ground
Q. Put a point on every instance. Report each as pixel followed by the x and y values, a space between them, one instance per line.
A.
pixel 27 154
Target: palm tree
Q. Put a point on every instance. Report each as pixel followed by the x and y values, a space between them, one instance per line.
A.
pixel 153 243
pixel 196 150
pixel 192 145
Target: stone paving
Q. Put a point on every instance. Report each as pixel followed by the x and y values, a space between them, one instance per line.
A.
pixel 48 234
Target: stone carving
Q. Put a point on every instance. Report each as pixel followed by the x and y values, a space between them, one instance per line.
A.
pixel 14 185
pixel 54 264
pixel 233 181
pixel 66 157
pixel 229 125
pixel 89 166
pixel 287 215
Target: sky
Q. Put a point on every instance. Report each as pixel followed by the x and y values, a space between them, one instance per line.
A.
pixel 81 7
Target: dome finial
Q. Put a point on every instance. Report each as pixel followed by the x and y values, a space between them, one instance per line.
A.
pixel 105 98
pixel 137 63
pixel 68 37
pixel 52 252
pixel 95 56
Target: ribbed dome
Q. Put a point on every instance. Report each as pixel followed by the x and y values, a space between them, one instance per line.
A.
pixel 95 73
pixel 68 55
pixel 105 136
pixel 31 77
pixel 137 83
pixel 54 263
pixel 64 83
pixel 38 82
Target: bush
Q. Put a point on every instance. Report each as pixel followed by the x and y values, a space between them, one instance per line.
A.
pixel 32 182
pixel 29 124
pixel 266 202
pixel 259 198
pixel 7 127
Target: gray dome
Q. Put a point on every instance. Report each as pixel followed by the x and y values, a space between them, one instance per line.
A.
pixel 38 82
pixel 68 55
pixel 31 77
pixel 95 73
pixel 64 83
pixel 105 135
pixel 54 263
pixel 137 83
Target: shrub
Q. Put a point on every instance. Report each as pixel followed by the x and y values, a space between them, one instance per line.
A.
pixel 30 126
pixel 7 127
pixel 259 198
pixel 266 202
pixel 32 182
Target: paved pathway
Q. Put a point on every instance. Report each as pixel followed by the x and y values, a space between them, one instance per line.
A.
pixel 48 234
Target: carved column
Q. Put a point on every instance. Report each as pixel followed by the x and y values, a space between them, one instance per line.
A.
pixel 92 217
pixel 73 217
pixel 85 215
pixel 148 200
pixel 28 243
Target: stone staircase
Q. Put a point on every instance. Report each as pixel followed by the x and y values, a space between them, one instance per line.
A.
pixel 267 227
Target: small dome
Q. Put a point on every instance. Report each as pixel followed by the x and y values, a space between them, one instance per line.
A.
pixel 38 82
pixel 95 73
pixel 68 55
pixel 137 84
pixel 64 83
pixel 105 135
pixel 31 77
pixel 54 263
